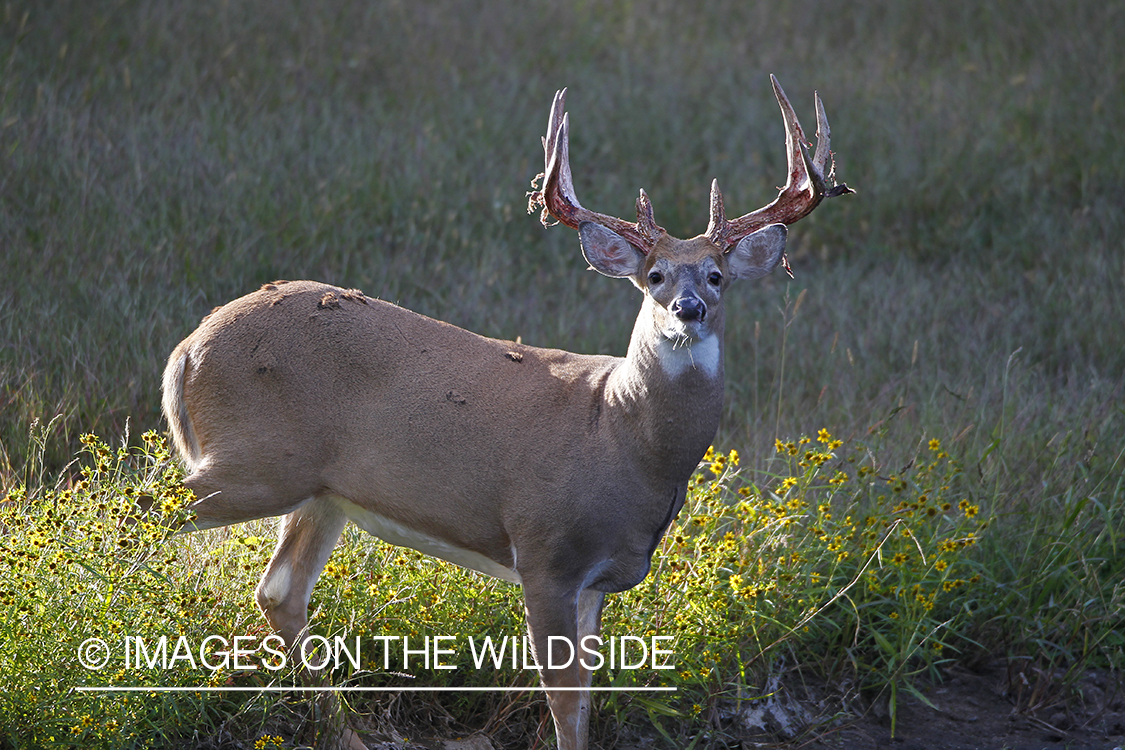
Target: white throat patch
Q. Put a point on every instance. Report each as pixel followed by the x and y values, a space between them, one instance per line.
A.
pixel 677 357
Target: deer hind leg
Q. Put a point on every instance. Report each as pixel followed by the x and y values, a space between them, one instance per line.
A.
pixel 573 616
pixel 304 543
pixel 231 491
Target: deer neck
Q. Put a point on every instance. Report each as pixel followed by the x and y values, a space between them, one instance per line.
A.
pixel 668 392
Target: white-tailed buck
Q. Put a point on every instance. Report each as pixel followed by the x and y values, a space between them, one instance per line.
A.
pixel 553 470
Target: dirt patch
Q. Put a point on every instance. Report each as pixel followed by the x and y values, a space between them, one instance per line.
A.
pixel 969 710
pixel 977 711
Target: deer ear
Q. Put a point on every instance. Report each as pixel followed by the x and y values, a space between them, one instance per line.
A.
pixel 608 252
pixel 757 254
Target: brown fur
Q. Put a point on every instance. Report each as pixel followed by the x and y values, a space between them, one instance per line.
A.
pixel 562 473
pixel 576 462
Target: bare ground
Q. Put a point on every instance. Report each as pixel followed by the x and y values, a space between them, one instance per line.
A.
pixel 985 709
pixel 978 711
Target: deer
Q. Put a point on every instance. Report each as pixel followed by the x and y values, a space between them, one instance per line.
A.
pixel 556 471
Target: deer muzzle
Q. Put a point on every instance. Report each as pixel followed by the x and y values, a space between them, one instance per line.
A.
pixel 690 308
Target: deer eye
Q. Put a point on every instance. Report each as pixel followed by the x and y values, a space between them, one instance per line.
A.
pixel 715 278
pixel 655 277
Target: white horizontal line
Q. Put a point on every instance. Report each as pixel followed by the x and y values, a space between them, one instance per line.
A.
pixel 408 689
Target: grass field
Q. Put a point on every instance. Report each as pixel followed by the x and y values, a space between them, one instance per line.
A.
pixel 159 159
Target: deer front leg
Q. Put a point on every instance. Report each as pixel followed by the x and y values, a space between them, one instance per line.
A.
pixel 589 623
pixel 571 615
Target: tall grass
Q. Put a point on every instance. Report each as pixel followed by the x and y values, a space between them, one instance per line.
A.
pixel 159 159
pixel 832 558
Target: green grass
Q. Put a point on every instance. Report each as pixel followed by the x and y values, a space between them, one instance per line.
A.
pixel 158 160
pixel 831 559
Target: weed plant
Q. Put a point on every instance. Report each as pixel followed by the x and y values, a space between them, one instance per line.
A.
pixel 831 559
pixel 83 561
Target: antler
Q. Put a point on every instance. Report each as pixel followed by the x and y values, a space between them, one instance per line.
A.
pixel 805 189
pixel 557 197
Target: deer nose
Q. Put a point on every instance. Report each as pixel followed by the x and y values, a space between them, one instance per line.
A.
pixel 689 308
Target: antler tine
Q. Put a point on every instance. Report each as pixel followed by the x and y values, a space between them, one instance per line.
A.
pixel 718 213
pixel 559 200
pixel 795 140
pixel 823 139
pixel 645 221
pixel 554 122
pixel 825 164
pixel 560 165
pixel 804 189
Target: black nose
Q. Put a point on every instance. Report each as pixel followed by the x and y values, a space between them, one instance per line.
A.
pixel 689 308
